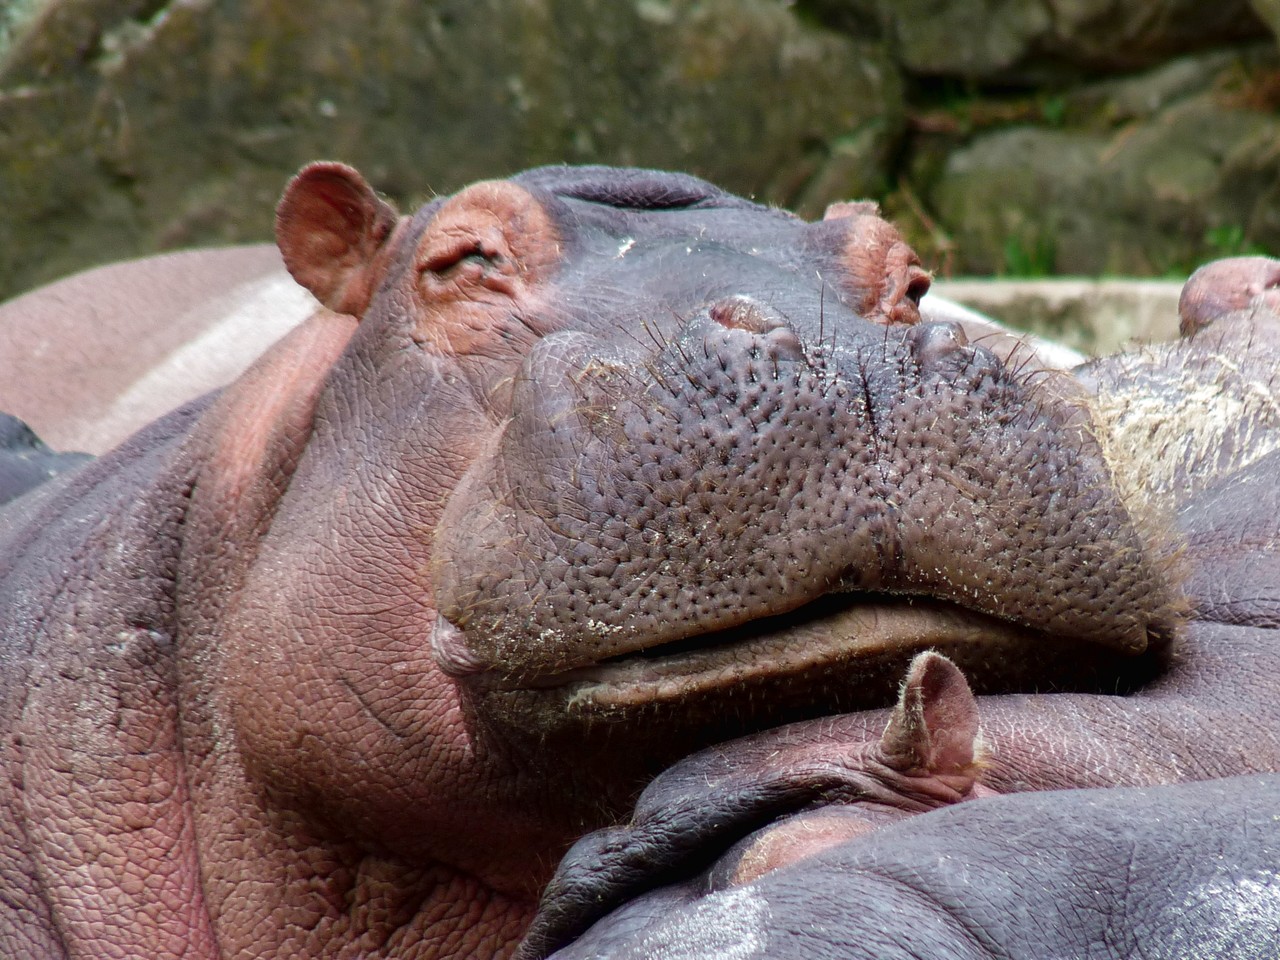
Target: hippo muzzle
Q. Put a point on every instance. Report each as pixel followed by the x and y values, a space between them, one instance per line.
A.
pixel 763 483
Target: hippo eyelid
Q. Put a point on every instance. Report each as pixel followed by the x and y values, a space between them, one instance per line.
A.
pixel 447 256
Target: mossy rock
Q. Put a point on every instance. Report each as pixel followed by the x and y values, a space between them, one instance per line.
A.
pixel 1199 180
pixel 1034 41
pixel 136 126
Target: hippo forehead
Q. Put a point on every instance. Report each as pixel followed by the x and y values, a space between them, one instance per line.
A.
pixel 642 245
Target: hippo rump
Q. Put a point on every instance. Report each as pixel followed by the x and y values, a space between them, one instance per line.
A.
pixel 91 359
pixel 572 476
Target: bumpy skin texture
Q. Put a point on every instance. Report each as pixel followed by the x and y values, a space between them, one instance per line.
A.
pixel 235 724
pixel 93 358
pixel 1200 421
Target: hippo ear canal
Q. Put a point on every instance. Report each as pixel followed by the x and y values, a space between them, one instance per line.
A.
pixel 330 227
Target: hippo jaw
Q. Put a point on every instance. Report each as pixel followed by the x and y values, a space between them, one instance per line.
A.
pixel 749 504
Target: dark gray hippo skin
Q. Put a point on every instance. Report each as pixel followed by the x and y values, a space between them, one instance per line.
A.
pixel 571 476
pixel 1181 871
pixel 816 840
pixel 340 660
pixel 25 461
pixel 88 360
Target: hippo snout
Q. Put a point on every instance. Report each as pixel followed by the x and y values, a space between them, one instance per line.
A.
pixel 662 487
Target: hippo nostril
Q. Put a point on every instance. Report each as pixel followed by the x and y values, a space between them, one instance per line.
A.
pixel 784 344
pixel 934 342
pixel 918 285
pixel 752 317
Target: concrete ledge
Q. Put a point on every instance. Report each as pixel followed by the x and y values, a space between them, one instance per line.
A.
pixel 1093 316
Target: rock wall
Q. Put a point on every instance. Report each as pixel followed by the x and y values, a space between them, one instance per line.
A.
pixel 1007 136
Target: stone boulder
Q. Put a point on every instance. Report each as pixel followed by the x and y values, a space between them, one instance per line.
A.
pixel 132 126
pixel 1031 41
pixel 1146 177
pixel 1093 317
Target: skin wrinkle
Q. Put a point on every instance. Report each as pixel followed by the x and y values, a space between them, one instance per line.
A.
pixel 21 818
pixel 112 754
pixel 22 815
pixel 973 934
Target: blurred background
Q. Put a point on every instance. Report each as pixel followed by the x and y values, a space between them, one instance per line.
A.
pixel 1006 137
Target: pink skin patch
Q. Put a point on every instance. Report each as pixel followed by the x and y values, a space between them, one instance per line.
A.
pixel 1226 286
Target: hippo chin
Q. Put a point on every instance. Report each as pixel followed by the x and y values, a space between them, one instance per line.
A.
pixel 572 474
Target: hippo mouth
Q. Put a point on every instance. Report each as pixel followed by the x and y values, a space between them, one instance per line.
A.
pixel 826 643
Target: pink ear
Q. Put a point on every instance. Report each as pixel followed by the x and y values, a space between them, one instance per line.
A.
pixel 330 226
pixel 934 726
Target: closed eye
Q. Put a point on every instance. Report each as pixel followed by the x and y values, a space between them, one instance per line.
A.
pixel 464 250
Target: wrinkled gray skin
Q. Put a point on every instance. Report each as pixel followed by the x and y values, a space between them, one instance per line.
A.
pixel 799 842
pixel 1160 873
pixel 90 359
pixel 578 472
pixel 339 661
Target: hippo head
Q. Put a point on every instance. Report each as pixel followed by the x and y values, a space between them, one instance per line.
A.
pixel 616 445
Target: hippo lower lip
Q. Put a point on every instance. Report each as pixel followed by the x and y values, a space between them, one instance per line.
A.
pixel 822 639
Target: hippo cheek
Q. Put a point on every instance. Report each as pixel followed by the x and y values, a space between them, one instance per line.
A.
pixel 751 514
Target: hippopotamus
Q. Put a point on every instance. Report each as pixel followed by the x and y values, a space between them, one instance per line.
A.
pixel 1185 870
pixel 568 477
pixel 910 832
pixel 89 360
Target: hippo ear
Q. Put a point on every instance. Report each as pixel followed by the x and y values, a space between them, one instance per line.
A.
pixel 934 726
pixel 851 208
pixel 882 273
pixel 330 227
